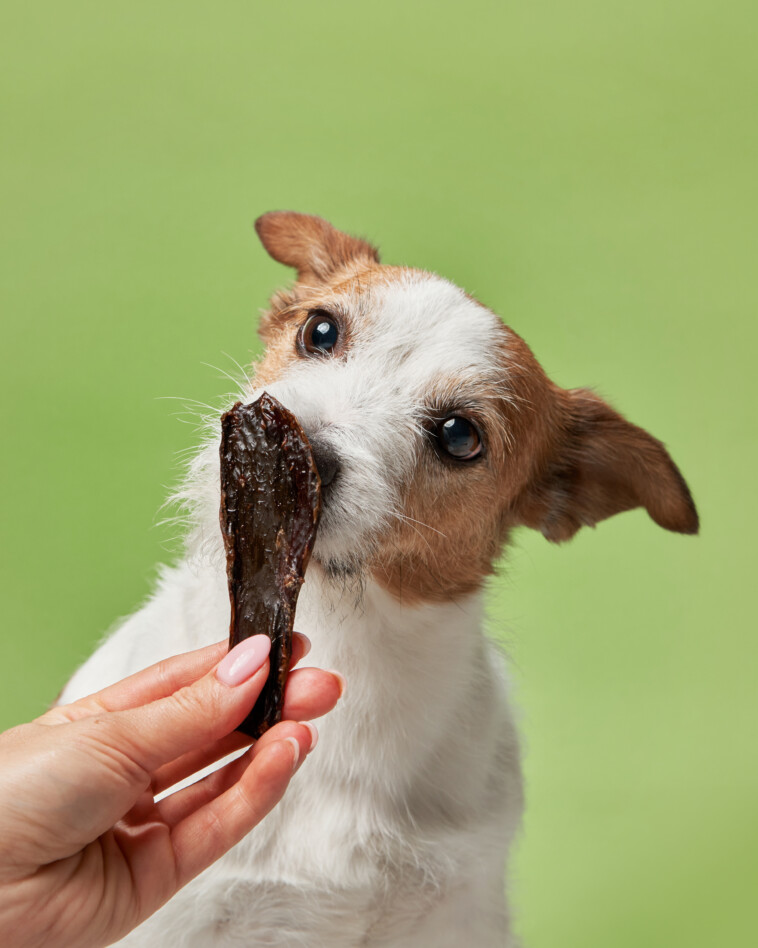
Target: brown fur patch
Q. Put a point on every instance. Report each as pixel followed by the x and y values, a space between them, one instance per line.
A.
pixel 340 294
pixel 459 512
pixel 601 465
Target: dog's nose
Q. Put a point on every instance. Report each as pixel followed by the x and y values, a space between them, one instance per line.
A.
pixel 327 461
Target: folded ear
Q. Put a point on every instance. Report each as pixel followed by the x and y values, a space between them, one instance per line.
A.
pixel 310 244
pixel 601 466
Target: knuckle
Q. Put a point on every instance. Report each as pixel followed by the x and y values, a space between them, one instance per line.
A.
pixel 104 739
pixel 162 675
pixel 248 804
pixel 186 703
pixel 199 702
pixel 215 828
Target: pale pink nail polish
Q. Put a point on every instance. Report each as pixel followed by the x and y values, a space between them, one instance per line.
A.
pixel 244 660
pixel 306 643
pixel 296 748
pixel 341 680
pixel 314 733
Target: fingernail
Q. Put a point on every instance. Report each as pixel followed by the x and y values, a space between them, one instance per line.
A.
pixel 341 680
pixel 244 660
pixel 306 643
pixel 314 733
pixel 296 749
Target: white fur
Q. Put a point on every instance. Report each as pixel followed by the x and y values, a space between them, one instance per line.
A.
pixel 395 831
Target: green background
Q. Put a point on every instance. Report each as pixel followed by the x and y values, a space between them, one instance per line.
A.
pixel 588 169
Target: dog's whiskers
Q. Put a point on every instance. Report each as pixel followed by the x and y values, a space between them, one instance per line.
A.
pixel 235 381
pixel 242 369
pixel 212 409
pixel 408 519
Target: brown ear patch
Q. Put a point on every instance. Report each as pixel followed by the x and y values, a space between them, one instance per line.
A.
pixel 601 466
pixel 310 244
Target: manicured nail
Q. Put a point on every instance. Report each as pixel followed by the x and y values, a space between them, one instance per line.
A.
pixel 314 733
pixel 244 660
pixel 341 680
pixel 296 749
pixel 306 642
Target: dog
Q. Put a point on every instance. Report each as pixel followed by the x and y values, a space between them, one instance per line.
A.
pixel 436 433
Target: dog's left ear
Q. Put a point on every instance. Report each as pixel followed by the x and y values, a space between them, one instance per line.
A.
pixel 601 466
pixel 310 244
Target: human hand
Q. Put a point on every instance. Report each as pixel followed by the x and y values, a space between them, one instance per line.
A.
pixel 86 853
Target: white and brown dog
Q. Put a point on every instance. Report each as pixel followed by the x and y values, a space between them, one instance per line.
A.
pixel 436 433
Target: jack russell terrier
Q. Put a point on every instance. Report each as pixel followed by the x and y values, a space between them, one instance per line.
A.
pixel 436 433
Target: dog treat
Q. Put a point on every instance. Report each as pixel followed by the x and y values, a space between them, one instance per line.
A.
pixel 270 505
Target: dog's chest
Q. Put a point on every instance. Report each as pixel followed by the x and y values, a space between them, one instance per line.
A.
pixel 404 797
pixel 319 871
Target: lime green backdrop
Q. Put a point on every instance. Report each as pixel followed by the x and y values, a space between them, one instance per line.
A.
pixel 588 169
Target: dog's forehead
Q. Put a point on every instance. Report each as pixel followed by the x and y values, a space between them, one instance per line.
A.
pixel 428 323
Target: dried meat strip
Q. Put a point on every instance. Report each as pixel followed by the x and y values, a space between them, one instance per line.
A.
pixel 270 505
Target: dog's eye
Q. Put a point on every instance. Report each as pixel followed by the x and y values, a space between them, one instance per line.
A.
pixel 459 438
pixel 320 332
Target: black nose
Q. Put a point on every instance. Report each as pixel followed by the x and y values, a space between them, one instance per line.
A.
pixel 326 459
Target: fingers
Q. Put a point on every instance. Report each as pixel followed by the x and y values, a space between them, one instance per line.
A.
pixel 196 760
pixel 209 832
pixel 178 806
pixel 196 715
pixel 309 694
pixel 301 645
pixel 210 708
pixel 158 681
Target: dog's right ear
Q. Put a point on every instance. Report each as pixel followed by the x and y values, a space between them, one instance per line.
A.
pixel 310 244
pixel 602 465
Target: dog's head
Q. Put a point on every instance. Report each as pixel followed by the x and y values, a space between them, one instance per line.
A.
pixel 434 427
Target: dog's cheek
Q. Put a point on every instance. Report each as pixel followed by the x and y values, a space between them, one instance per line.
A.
pixel 279 358
pixel 448 538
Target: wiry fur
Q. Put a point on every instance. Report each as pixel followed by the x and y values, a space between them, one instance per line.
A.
pixel 396 832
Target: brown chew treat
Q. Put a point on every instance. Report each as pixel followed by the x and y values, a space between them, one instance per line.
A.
pixel 270 505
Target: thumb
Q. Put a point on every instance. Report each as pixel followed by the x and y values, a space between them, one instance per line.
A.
pixel 198 714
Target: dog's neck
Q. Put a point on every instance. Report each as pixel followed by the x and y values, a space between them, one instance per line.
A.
pixel 365 630
pixel 410 672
